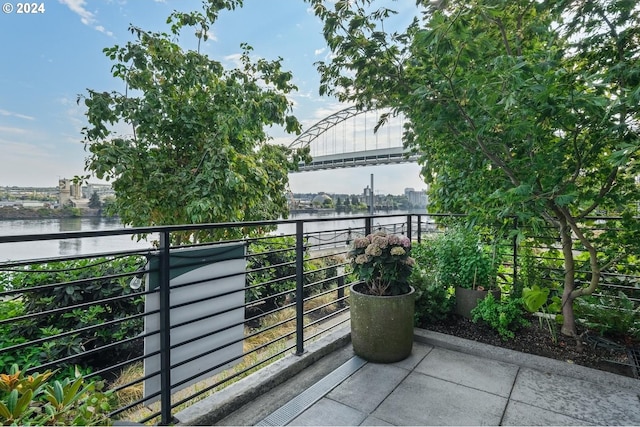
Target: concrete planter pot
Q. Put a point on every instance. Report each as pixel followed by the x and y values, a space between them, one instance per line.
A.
pixel 381 327
pixel 467 299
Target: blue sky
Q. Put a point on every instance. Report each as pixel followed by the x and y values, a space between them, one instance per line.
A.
pixel 51 57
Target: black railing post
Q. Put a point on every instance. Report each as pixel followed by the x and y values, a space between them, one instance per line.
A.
pixel 341 303
pixel 165 330
pixel 409 228
pixel 515 256
pixel 367 225
pixel 419 228
pixel 299 287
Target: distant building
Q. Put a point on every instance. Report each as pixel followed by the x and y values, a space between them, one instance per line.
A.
pixel 366 193
pixel 71 193
pixel 416 198
pixel 64 188
pixel 103 190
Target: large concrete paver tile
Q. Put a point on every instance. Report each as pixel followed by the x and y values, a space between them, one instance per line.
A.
pixel 469 370
pixel 424 400
pixel 373 421
pixel 418 352
pixel 368 387
pixel 590 402
pixel 327 412
pixel 521 414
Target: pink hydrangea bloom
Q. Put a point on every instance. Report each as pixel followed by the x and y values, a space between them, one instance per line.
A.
pixel 380 241
pixel 394 240
pixel 361 242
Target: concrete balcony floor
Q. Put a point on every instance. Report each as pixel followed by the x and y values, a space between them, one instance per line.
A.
pixel 445 381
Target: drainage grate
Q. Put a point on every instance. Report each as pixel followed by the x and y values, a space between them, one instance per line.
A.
pixel 598 341
pixel 304 400
pixel 632 353
pixel 634 357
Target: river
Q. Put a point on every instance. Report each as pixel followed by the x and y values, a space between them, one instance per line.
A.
pixel 54 248
pixel 69 247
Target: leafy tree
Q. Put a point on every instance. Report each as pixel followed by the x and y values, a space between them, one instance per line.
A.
pixel 94 201
pixel 198 151
pixel 108 206
pixel 518 108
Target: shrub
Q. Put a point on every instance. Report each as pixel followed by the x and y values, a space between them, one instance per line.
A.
pixel 80 281
pixel 271 263
pixel 460 259
pixel 610 314
pixel 39 399
pixel 273 260
pixel 434 300
pixel 505 317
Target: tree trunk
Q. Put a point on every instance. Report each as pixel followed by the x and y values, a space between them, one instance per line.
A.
pixel 568 316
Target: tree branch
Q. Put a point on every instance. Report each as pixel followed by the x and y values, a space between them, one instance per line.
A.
pixel 604 190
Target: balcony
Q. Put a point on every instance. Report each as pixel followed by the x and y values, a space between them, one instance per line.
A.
pixel 255 330
pixel 446 381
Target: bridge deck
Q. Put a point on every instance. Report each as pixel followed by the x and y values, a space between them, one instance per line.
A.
pixel 382 156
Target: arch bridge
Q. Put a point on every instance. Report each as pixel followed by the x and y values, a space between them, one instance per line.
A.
pixel 346 139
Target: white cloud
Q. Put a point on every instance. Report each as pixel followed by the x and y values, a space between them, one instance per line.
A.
pixel 17 115
pixel 20 152
pixel 326 111
pixel 77 6
pixel 103 30
pixel 210 35
pixel 319 51
pixel 87 17
pixel 234 59
pixel 12 130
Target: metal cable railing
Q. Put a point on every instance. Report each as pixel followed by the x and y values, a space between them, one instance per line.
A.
pixel 186 320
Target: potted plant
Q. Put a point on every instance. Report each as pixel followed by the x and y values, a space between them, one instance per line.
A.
pixel 382 302
pixel 462 262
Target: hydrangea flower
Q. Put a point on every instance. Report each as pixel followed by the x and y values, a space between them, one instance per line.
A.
pixel 382 262
pixel 361 259
pixel 397 250
pixel 361 242
pixel 373 250
pixel 380 241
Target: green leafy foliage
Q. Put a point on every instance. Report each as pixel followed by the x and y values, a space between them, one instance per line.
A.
pixel 461 259
pixel 615 315
pixel 524 109
pixel 534 298
pixel 272 271
pixel 434 298
pixel 94 201
pixel 39 399
pixel 198 151
pixel 65 284
pixel 503 316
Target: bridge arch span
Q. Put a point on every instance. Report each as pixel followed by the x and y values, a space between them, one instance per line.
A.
pixel 324 125
pixel 361 152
